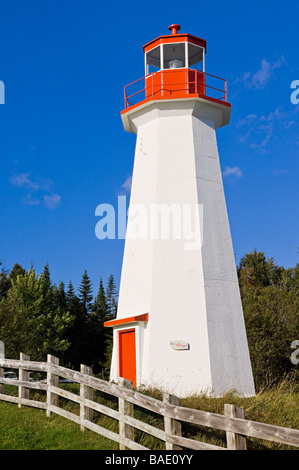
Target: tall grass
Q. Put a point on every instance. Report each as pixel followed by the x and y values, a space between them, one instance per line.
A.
pixel 273 404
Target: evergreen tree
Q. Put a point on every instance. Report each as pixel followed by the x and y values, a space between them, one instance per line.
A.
pixel 253 269
pixel 100 315
pixel 85 293
pixel 5 282
pixel 29 323
pixel 111 295
pixel 295 278
pixel 16 271
pixel 47 277
pixel 47 288
pixel 70 294
pixel 271 311
pixel 77 334
pixel 59 294
pixel 101 308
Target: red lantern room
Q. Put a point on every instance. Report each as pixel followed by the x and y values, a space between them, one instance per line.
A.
pixel 175 69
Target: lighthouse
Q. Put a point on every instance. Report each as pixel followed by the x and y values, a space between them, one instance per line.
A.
pixel 179 326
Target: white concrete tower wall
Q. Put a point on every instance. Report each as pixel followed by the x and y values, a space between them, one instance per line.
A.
pixel 191 295
pixel 229 354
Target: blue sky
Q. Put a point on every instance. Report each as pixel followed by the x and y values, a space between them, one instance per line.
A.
pixel 63 148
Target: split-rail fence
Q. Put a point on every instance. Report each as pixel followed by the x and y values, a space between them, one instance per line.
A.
pixel 232 422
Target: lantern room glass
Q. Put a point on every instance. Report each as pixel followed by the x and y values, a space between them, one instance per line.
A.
pixel 153 60
pixel 196 55
pixel 173 56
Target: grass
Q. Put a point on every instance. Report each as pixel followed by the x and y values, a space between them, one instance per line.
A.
pixel 30 429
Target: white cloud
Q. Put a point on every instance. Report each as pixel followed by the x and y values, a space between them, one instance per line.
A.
pixel 259 79
pixel 30 201
pixel 22 180
pixel 127 184
pixel 257 131
pixel 45 184
pixel 52 201
pixel 234 171
pixel 39 186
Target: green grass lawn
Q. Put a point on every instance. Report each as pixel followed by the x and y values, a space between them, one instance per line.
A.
pixel 30 429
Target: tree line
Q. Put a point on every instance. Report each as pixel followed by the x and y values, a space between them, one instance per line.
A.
pixel 270 298
pixel 37 317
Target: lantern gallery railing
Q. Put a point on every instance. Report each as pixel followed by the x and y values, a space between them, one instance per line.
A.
pixel 175 84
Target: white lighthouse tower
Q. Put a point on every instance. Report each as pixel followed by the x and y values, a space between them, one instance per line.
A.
pixel 179 325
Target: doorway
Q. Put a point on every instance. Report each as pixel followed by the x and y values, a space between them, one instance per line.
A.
pixel 127 355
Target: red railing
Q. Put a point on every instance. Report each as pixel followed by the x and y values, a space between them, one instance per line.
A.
pixel 198 85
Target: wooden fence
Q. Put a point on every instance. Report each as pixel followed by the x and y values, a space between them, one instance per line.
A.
pixel 232 422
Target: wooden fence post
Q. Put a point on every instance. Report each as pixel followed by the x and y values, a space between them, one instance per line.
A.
pixel 125 408
pixel 2 356
pixel 52 379
pixel 234 441
pixel 85 392
pixel 171 426
pixel 24 376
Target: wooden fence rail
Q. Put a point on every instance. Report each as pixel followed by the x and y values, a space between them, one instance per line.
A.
pixel 232 422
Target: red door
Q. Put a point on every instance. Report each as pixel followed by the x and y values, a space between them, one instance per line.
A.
pixel 127 355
